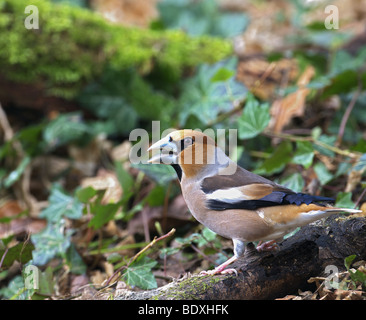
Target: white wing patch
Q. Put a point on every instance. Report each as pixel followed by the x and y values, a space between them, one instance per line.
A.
pixel 231 195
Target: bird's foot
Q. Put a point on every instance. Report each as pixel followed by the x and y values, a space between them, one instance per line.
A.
pixel 218 271
pixel 267 246
pixel 221 269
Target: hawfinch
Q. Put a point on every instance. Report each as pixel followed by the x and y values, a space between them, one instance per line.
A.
pixel 232 201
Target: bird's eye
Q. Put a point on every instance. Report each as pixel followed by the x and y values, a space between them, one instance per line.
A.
pixel 188 141
pixel 170 139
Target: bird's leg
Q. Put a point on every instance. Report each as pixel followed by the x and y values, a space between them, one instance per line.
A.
pixel 221 269
pixel 267 246
pixel 239 249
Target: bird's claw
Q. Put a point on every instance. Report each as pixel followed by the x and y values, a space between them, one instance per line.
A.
pixel 268 246
pixel 218 271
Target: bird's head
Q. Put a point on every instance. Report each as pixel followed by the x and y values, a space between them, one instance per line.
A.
pixel 191 150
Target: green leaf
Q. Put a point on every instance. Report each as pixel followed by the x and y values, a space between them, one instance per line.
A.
pixel 51 242
pixel 64 129
pixel 254 119
pixel 103 214
pixel 201 17
pixel 84 195
pixel 322 173
pixel 21 252
pixel 156 196
pixel 329 140
pixel 294 182
pixel 205 99
pixel 304 154
pixel 348 261
pixel 222 74
pixel 161 173
pixel 74 261
pixel 16 174
pixel 230 24
pixel 277 161
pixel 344 200
pixel 356 276
pixel 124 178
pixel 139 273
pixel 61 205
pixel 206 237
pixel 361 164
pixel 15 289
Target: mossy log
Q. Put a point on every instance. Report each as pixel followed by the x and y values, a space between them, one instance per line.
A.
pixel 274 275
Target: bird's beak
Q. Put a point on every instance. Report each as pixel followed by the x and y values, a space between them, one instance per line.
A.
pixel 168 152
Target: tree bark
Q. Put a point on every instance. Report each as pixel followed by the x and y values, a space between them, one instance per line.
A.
pixel 273 275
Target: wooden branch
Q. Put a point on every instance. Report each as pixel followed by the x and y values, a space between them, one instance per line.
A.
pixel 273 275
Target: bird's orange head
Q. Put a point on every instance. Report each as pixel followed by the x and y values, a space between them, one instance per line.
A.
pixel 191 150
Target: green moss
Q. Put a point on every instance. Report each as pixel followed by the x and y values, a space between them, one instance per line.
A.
pixel 189 289
pixel 73 46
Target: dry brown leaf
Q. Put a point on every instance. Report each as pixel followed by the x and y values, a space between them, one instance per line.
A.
pixel 87 158
pixel 122 151
pixel 176 214
pixel 293 105
pixel 10 208
pixel 105 180
pixel 263 77
pixel 363 208
pixel 19 225
pixel 128 12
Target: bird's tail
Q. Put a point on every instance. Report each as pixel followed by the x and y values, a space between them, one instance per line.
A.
pixel 342 210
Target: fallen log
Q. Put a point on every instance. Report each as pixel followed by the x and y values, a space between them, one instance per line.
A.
pixel 273 275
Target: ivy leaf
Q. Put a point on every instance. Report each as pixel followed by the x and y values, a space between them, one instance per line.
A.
pixel 50 242
pixel 211 92
pixel 304 154
pixel 230 24
pixel 222 74
pixel 74 261
pixel 61 205
pixel 124 178
pixel 329 140
pixel 294 182
pixel 103 214
pixel 356 276
pixel 21 252
pixel 162 174
pixel 139 274
pixel 322 173
pixel 201 17
pixel 344 200
pixel 15 174
pixel 361 164
pixel 206 237
pixel 277 161
pixel 254 119
pixel 66 128
pixel 85 194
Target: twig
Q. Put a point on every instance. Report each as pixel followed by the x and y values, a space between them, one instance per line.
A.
pixel 152 243
pixel 348 113
pixel 347 153
pixel 3 257
pixel 21 187
pixel 202 254
pixel 5 125
pixel 166 205
pixel 360 198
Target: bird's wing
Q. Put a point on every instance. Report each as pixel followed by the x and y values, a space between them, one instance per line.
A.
pixel 245 190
